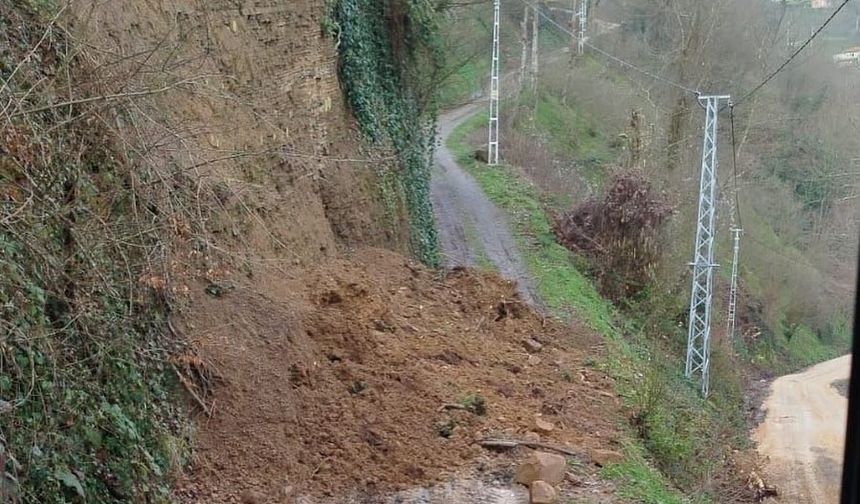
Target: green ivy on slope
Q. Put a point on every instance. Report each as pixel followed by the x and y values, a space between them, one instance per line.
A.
pixel 87 411
pixel 387 51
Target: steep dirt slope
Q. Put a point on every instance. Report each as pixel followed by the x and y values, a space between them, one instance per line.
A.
pixel 241 101
pixel 354 381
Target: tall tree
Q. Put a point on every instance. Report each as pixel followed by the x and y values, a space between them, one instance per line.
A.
pixel 535 48
pixel 524 40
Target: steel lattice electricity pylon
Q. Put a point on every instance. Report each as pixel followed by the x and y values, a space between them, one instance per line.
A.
pixel 699 336
pixel 493 141
pixel 583 26
pixel 733 291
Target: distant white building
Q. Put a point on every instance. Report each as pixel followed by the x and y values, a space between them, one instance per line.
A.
pixel 815 4
pixel 847 58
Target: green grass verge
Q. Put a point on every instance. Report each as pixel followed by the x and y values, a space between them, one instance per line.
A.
pixel 639 481
pixel 573 133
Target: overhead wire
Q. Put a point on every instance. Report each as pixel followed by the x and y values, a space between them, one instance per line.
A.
pixel 607 54
pixel 794 54
pixel 675 84
pixel 749 95
pixel 659 78
pixel 696 92
pixel 670 82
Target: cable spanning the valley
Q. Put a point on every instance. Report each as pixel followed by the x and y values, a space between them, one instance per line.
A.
pixel 794 54
pixel 608 55
pixel 761 85
pixel 697 93
pixel 735 169
pixel 682 87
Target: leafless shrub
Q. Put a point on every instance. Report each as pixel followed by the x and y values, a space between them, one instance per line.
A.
pixel 620 231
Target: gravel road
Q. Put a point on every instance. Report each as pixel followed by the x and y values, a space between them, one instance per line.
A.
pixel 470 225
pixel 803 434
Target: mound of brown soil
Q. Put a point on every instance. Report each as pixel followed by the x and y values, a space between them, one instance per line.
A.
pixel 379 374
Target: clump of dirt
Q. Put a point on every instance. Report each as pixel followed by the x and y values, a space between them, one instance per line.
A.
pixel 841 386
pixel 742 481
pixel 379 374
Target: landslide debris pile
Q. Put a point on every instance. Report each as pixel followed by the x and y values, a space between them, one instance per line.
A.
pixel 380 374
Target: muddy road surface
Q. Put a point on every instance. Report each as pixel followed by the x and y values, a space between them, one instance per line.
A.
pixel 470 225
pixel 803 434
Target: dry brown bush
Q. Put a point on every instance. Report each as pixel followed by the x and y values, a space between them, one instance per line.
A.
pixel 620 232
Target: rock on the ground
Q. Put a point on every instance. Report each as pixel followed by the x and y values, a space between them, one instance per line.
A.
pixel 573 479
pixel 534 360
pixel 542 425
pixel 542 466
pixel 532 345
pixel 606 457
pixel 252 497
pixel 541 492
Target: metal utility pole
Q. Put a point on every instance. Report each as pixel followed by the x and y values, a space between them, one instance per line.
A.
pixel 493 141
pixel 733 292
pixel 583 26
pixel 699 336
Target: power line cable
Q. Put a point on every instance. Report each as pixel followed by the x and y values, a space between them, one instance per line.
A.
pixel 670 82
pixel 610 56
pixel 795 54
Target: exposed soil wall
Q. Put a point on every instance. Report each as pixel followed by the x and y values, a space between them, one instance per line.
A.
pixel 242 98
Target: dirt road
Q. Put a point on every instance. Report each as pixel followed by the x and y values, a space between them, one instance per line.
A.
pixel 803 433
pixel 470 225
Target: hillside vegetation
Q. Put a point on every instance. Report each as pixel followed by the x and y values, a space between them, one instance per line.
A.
pixel 85 383
pixel 792 187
